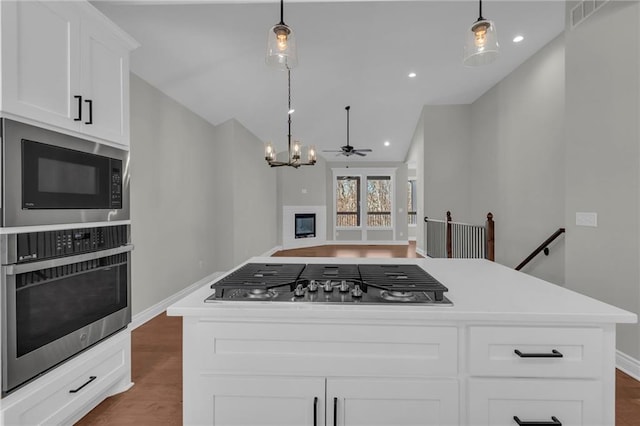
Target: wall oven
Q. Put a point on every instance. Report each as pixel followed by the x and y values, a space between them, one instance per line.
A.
pixel 62 291
pixel 52 178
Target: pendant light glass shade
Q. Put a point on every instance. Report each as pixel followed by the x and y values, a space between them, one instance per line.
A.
pixel 281 45
pixel 481 43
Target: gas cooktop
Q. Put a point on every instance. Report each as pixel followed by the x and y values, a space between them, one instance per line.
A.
pixel 330 283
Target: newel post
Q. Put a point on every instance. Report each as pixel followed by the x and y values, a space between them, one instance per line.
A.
pixel 491 244
pixel 449 250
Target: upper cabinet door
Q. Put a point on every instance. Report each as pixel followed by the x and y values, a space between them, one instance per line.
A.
pixel 40 61
pixel 105 82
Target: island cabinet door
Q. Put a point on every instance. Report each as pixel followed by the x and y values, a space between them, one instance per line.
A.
pixel 398 402
pixel 227 400
pixel 498 402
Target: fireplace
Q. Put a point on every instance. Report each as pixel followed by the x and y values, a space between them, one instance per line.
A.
pixel 305 225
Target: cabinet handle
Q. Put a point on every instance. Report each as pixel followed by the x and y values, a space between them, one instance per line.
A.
pixel 315 411
pixel 90 102
pixel 79 117
pixel 554 422
pixel 91 379
pixel 554 354
pixel 335 411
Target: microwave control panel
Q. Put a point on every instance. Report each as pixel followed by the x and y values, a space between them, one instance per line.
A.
pixel 116 184
pixel 34 246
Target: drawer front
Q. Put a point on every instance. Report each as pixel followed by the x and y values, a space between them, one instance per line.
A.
pixel 324 349
pixel 496 402
pixel 492 352
pixel 53 403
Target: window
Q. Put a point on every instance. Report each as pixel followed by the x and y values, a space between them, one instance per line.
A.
pixel 348 201
pixel 411 203
pixel 379 201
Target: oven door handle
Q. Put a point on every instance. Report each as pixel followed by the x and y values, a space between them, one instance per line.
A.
pixel 62 261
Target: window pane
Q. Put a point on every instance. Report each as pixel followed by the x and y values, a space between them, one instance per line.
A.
pixel 348 201
pixel 379 201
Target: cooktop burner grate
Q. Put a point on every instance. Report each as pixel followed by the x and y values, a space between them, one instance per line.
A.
pixel 261 275
pixel 401 278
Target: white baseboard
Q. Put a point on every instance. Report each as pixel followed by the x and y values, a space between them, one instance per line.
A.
pixel 268 253
pixel 155 310
pixel 421 252
pixel 628 364
pixel 365 243
pixel 413 238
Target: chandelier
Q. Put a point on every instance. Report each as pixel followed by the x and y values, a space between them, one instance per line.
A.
pixel 295 149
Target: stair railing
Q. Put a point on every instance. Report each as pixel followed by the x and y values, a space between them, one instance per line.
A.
pixel 446 238
pixel 542 247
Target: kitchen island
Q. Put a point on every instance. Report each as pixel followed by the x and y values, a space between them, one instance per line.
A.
pixel 512 349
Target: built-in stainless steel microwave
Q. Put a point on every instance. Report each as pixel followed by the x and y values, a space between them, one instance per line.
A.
pixel 51 178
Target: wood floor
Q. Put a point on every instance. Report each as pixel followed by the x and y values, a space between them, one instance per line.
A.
pixel 156 398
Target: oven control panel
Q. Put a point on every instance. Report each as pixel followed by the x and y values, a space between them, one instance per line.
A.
pixel 34 246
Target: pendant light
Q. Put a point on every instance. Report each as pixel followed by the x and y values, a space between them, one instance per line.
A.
pixel 294 150
pixel 281 45
pixel 481 45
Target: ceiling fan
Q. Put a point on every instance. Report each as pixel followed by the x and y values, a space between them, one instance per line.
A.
pixel 347 150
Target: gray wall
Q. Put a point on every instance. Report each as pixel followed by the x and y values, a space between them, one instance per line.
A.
pixel 517 166
pixel 602 160
pixel 502 154
pixel 187 218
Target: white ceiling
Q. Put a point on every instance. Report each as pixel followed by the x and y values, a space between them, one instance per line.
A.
pixel 209 56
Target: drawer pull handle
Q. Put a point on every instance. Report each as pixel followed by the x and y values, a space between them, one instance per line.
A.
pixel 315 411
pixel 91 379
pixel 554 354
pixel 79 117
pixel 90 102
pixel 554 422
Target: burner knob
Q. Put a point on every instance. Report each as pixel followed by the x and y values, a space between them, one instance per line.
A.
pixel 344 287
pixel 357 291
pixel 313 286
pixel 328 288
pixel 299 291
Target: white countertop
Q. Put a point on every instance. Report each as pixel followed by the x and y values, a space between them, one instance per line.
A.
pixel 479 289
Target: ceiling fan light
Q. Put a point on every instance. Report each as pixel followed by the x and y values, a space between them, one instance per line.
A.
pixel 281 47
pixel 481 44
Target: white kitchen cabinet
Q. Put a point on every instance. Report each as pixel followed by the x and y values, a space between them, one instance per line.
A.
pixel 71 390
pixel 494 402
pixel 257 401
pixel 383 402
pixel 41 61
pixel 65 67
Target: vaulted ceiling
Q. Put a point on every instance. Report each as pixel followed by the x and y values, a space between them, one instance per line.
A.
pixel 209 56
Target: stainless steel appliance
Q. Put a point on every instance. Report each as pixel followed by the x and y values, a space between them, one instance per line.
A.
pixel 62 291
pixel 329 283
pixel 52 178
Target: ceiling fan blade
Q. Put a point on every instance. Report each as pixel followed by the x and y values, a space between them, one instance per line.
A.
pixel 364 150
pixel 359 153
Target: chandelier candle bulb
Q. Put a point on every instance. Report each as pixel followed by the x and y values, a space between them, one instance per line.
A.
pixel 311 154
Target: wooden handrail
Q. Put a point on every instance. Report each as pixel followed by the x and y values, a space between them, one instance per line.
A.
pixel 541 247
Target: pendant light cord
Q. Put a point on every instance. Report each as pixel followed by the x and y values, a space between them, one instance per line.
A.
pixel 289 110
pixel 282 12
pixel 480 18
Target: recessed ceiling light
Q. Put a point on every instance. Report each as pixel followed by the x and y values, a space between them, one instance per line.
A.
pixel 387 143
pixel 412 75
pixel 518 39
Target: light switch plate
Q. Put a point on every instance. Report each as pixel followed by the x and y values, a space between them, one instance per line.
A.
pixel 587 219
